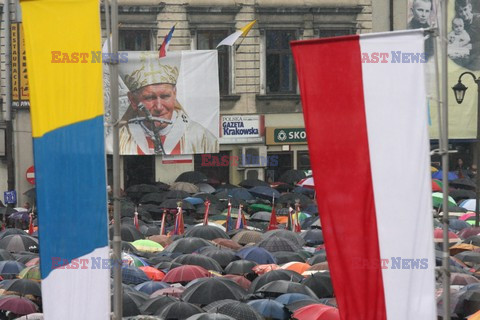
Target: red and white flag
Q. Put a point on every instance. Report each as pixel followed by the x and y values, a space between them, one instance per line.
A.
pixel 365 112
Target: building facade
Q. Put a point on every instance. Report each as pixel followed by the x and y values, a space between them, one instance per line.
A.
pixel 258 86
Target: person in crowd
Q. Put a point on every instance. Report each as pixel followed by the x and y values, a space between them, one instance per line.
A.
pixel 156 123
pixel 421 11
pixel 471 20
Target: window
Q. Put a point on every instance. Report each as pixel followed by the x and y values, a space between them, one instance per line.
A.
pixel 327 33
pixel 280 70
pixel 134 40
pixel 303 160
pixel 276 168
pixel 209 39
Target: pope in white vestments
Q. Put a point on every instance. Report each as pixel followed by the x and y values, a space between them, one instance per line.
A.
pixel 157 123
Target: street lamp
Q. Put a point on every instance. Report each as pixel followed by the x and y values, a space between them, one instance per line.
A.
pixel 460 89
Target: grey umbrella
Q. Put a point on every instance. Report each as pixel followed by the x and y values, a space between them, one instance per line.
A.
pixel 240 267
pixel 287 256
pixel 287 234
pixel 261 216
pixel 205 187
pixel 192 177
pixel 222 256
pixel 151 306
pixel 210 316
pixel 178 310
pixel 274 244
pixel 321 284
pixel 274 275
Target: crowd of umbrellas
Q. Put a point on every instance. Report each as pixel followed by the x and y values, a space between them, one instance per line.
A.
pixel 230 259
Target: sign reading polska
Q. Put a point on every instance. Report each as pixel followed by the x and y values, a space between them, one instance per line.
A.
pixel 242 129
pixel 286 136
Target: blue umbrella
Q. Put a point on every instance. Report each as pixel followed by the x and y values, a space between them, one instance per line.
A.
pixel 439 175
pixel 133 275
pixel 288 298
pixel 259 255
pixel 269 308
pixel 150 287
pixel 194 200
pixel 11 267
pixel 264 192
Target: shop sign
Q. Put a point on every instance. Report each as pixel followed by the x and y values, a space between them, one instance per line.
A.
pixel 286 136
pixel 20 91
pixel 236 129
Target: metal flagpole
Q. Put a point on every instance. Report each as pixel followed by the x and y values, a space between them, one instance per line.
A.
pixel 445 165
pixel 117 239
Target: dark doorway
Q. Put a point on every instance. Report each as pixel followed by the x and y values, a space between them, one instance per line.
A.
pixel 215 166
pixel 276 168
pixel 138 169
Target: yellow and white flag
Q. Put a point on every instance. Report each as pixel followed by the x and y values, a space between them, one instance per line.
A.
pixel 230 40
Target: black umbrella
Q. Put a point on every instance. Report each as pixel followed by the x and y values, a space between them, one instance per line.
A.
pixel 5 255
pixel 208 290
pixel 261 216
pixel 154 305
pixel 187 245
pixel 210 316
pixel 321 284
pixel 274 244
pixel 284 187
pixel 287 275
pixel 240 194
pixel 24 287
pixel 130 304
pixel 213 210
pixel 240 267
pixel 264 192
pixel 470 257
pixel 286 234
pixel 178 310
pixel 153 198
pixel 286 256
pixel 128 232
pixel 206 232
pixel 135 192
pixel 24 257
pixel 294 306
pixel 250 183
pixel 292 176
pixel 199 260
pixel 468 301
pixel 17 242
pixel 167 265
pixel 291 198
pixel 313 237
pixel 305 191
pixel 278 287
pixel 173 204
pixel 192 177
pixel 460 194
pixel 234 309
pixel 222 256
pixel 207 196
pixel 464 183
pixel 161 186
pixel 317 258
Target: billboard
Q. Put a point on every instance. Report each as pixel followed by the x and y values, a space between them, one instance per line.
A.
pixel 20 91
pixel 168 105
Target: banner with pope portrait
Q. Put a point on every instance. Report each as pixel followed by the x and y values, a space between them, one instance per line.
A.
pixel 168 105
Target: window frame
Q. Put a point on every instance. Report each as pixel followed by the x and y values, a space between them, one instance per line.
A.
pixel 150 38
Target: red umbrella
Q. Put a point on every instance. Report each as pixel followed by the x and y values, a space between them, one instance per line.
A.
pixel 33 262
pixel 173 291
pixel 317 312
pixel 264 268
pixel 240 280
pixel 227 243
pixel 438 235
pixel 186 273
pixel 152 273
pixel 18 305
pixel 307 183
pixel 436 186
pixel 468 232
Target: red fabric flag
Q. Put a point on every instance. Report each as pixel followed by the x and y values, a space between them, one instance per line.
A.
pixel 365 112
pixel 229 216
pixel 240 224
pixel 179 226
pixel 205 217
pixel 162 227
pixel 135 220
pixel 162 52
pixel 273 218
pixel 30 224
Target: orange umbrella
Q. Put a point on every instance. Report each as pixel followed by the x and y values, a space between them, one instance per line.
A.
pixel 282 219
pixel 475 316
pixel 298 267
pixel 152 273
pixel 264 268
